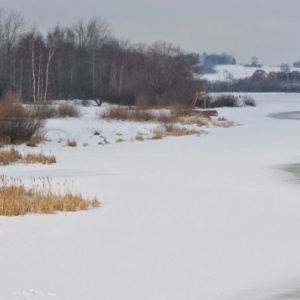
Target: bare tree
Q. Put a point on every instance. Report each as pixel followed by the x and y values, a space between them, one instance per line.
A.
pixel 91 37
pixel 13 27
pixel 254 61
pixel 284 67
pixel 52 42
pixel 168 67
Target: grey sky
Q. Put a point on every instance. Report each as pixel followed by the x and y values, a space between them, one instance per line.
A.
pixel 268 29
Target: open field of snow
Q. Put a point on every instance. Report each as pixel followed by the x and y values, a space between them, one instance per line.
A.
pixel 229 72
pixel 184 218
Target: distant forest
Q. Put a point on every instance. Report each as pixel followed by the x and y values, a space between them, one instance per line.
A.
pixel 86 61
pixel 211 60
pixel 283 81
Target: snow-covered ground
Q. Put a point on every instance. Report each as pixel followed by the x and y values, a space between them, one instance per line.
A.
pixel 184 218
pixel 229 72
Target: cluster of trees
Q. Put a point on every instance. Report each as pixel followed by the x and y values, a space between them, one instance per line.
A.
pixel 211 60
pixel 296 64
pixel 283 81
pixel 86 61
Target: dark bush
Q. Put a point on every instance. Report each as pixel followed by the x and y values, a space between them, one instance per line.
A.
pixel 225 101
pixel 120 98
pixel 17 123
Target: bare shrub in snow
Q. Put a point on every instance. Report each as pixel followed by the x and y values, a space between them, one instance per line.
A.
pixel 17 123
pixel 225 101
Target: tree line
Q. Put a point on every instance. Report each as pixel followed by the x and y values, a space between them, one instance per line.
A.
pixel 211 60
pixel 282 81
pixel 86 61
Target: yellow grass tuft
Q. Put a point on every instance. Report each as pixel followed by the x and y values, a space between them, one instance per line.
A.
pixel 157 134
pixel 71 143
pixel 9 156
pixel 39 158
pixel 174 130
pixel 222 122
pixel 12 156
pixel 16 200
pixel 126 114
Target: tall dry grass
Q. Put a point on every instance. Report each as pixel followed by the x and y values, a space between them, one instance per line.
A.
pixel 16 200
pixel 39 158
pixel 50 111
pixel 12 155
pixel 174 130
pixel 9 156
pixel 125 114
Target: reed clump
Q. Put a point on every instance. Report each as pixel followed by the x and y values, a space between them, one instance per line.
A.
pixel 9 156
pixel 12 155
pixel 16 200
pixel 39 158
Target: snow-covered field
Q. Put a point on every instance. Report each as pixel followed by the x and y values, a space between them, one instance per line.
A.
pixel 229 72
pixel 183 218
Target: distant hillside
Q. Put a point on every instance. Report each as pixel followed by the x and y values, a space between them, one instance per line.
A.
pixel 229 72
pixel 239 78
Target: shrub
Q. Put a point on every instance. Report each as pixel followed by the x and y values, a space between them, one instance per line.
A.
pixel 225 101
pixel 17 123
pixel 68 110
pixel 46 111
pixel 174 130
pixel 249 101
pixel 165 118
pixel 158 134
pixel 16 200
pixel 142 115
pixel 120 140
pixel 71 143
pixel 179 110
pixel 139 137
pixel 116 113
pixel 123 114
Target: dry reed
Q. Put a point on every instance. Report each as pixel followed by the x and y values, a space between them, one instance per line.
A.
pixel 40 158
pixel 16 200
pixel 9 156
pixel 12 156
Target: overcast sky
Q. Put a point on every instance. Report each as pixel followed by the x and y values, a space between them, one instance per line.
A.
pixel 268 29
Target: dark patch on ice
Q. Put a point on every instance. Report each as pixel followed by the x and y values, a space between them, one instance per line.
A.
pixel 294 169
pixel 291 115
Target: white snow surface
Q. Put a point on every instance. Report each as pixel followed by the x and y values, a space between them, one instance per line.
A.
pixel 184 218
pixel 229 72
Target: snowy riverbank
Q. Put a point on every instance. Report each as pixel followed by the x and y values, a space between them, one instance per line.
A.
pixel 211 217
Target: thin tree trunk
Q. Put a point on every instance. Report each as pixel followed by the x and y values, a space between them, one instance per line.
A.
pixel 33 71
pixel 50 55
pixel 39 79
